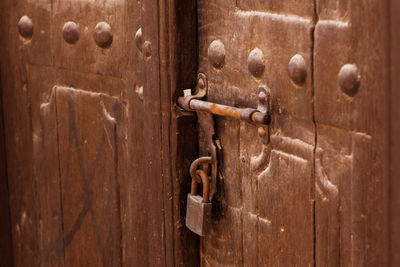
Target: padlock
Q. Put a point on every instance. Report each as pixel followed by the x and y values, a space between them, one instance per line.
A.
pixel 198 209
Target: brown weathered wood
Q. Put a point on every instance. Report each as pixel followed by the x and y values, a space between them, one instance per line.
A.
pixel 352 225
pixel 46 165
pixel 144 201
pixel 16 54
pixel 154 153
pixel 394 141
pixel 87 125
pixel 98 173
pixel 263 211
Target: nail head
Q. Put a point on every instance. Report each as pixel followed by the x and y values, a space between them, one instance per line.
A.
pixel 25 27
pixel 216 54
pixel 103 35
pixel 349 79
pixel 297 69
pixel 255 63
pixel 70 32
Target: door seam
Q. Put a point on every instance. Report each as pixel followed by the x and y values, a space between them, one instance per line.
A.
pixel 313 179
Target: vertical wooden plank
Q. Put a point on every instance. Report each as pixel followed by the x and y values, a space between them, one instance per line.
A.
pixel 18 134
pixel 269 207
pixel 332 164
pixel 166 102
pixel 46 165
pixel 90 185
pixel 6 246
pixel 394 141
pixel 162 69
pixel 356 200
pixel 153 187
pixel 133 196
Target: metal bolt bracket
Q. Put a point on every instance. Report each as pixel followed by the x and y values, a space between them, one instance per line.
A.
pixel 207 144
pixel 260 115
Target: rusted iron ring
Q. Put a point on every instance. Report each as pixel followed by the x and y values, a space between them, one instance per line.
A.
pixel 196 164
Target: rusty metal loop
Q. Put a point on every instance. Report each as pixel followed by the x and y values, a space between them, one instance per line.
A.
pixel 246 114
pixel 184 102
pixel 196 164
pixel 206 185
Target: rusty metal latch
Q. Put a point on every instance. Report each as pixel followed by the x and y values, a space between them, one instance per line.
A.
pixel 209 146
pixel 191 102
pixel 205 110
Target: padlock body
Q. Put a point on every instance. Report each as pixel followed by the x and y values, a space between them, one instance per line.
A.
pixel 198 215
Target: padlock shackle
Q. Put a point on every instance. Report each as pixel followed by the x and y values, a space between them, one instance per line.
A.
pixel 196 164
pixel 206 185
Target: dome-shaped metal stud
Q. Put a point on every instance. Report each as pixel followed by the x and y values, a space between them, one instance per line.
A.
pixel 103 35
pixel 70 32
pixel 25 27
pixel 216 54
pixel 255 63
pixel 297 69
pixel 349 79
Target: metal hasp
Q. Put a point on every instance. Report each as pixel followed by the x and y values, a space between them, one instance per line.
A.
pixel 198 210
pixel 191 102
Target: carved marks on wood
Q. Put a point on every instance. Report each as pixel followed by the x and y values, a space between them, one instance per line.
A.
pixel 272 181
pixel 77 141
pixel 56 46
pixel 262 160
pixel 302 9
pixel 89 180
pixel 275 166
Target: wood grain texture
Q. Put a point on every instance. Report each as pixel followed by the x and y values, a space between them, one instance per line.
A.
pixel 89 180
pixel 98 176
pixel 18 132
pixel 46 165
pixel 355 203
pixel 263 211
pixel 65 208
pixel 394 142
pixel 302 9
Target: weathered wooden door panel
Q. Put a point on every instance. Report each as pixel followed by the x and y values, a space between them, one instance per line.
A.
pixel 268 206
pixel 87 15
pixel 57 218
pixel 81 216
pixel 98 153
pixel 87 127
pixel 46 165
pixel 394 142
pixel 94 189
pixel 326 131
pixel 351 90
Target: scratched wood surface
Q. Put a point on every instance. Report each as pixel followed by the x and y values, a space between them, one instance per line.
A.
pixel 325 174
pixel 97 173
pixel 87 184
pixel 394 133
pixel 267 207
pixel 351 164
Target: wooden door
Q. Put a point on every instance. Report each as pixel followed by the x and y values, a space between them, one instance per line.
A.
pixel 319 195
pixel 96 152
pixel 87 121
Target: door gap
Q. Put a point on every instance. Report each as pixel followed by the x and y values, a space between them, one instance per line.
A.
pixel 313 180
